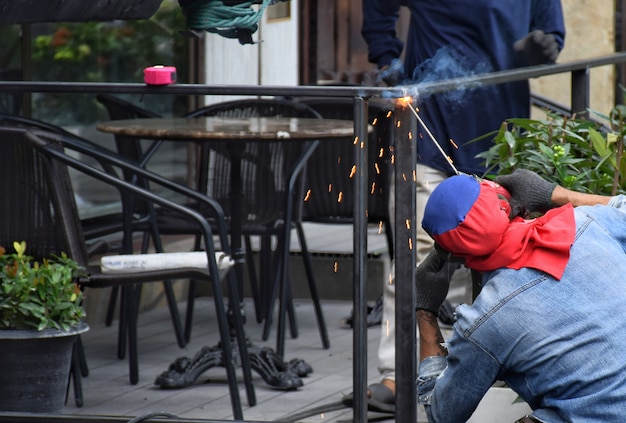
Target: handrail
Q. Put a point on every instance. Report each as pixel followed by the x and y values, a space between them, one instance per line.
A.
pixel 405 409
pixel 327 91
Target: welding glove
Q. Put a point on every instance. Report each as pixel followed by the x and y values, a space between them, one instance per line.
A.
pixel 432 281
pixel 530 189
pixel 391 74
pixel 536 48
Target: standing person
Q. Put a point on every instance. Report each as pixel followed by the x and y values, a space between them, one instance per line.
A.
pixel 448 39
pixel 545 320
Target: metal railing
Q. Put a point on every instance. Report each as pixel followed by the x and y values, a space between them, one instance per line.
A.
pixel 405 206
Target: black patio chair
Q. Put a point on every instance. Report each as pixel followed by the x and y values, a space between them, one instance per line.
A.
pixel 123 223
pixel 132 149
pixel 94 228
pixel 272 181
pixel 329 183
pixel 331 188
pixel 43 212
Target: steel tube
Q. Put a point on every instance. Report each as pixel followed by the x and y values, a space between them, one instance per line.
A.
pixel 359 342
pixel 405 130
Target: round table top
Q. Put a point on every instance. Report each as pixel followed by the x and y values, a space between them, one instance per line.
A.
pixel 269 128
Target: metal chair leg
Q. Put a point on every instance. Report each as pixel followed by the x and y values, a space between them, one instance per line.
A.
pixel 308 265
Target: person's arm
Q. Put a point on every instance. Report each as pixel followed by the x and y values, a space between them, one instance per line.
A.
pixel 451 389
pixel 379 31
pixel 431 339
pixel 432 281
pixel 431 288
pixel 539 195
pixel 561 196
pixel 547 15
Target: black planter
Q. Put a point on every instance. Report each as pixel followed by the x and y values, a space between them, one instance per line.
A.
pixel 34 369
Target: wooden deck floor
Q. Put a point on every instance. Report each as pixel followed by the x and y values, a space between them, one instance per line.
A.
pixel 107 390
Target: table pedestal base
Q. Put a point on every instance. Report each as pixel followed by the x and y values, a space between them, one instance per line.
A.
pixel 275 372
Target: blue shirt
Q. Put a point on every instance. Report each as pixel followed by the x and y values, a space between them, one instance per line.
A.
pixel 560 344
pixel 457 38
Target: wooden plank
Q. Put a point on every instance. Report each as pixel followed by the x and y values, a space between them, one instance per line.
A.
pixel 107 391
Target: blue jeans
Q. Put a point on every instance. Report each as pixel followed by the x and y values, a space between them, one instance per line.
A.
pixel 559 344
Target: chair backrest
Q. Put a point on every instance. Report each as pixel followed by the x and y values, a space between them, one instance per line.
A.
pixel 265 166
pixel 39 205
pixel 263 107
pixel 94 226
pixel 29 123
pixel 119 109
pixel 129 148
pixel 11 102
pixel 328 181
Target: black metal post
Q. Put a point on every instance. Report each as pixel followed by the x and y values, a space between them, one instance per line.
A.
pixel 359 341
pixel 580 91
pixel 405 129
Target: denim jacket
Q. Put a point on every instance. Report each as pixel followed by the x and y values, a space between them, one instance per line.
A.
pixel 560 344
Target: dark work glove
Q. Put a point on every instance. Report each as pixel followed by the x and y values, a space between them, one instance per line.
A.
pixel 432 281
pixel 536 48
pixel 392 74
pixel 530 189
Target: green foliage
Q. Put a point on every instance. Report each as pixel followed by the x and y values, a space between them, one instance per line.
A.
pixel 115 51
pixel 580 154
pixel 38 295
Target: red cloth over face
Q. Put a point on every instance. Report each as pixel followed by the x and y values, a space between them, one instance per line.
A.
pixel 486 238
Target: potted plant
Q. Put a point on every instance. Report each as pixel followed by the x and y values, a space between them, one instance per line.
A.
pixel 41 317
pixel 583 154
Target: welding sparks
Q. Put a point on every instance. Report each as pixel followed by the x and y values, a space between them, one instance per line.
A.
pixel 307 196
pixel 430 135
pixel 352 171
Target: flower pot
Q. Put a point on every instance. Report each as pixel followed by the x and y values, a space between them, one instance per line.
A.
pixel 34 368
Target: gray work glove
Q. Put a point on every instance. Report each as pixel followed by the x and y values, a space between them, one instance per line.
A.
pixel 536 48
pixel 392 74
pixel 432 281
pixel 530 189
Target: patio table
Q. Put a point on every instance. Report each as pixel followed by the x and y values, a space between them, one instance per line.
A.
pixel 235 133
